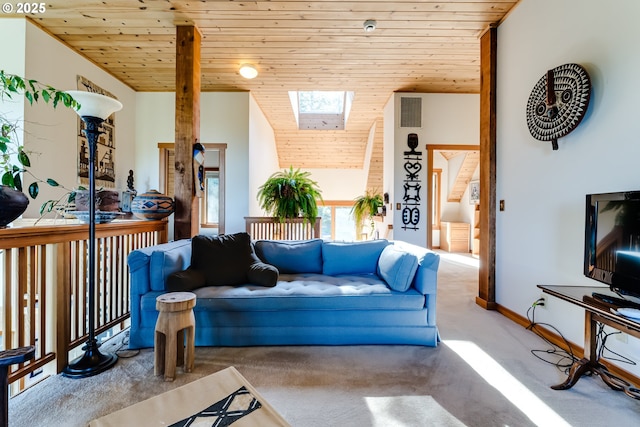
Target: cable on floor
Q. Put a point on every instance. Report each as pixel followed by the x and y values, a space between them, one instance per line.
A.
pixel 563 359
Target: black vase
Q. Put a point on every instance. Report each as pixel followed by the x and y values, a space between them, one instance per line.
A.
pixel 12 204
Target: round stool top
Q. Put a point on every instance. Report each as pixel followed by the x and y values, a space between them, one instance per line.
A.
pixel 176 301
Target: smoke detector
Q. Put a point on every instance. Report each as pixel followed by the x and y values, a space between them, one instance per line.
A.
pixel 369 25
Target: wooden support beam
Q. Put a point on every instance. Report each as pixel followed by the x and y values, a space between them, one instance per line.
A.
pixel 486 275
pixel 186 216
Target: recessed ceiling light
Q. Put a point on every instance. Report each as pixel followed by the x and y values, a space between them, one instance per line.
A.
pixel 248 71
pixel 369 25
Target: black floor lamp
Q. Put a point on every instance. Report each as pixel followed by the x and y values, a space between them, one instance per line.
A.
pixel 94 109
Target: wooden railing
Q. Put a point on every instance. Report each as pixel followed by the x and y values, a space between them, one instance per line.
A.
pixel 43 285
pixel 273 229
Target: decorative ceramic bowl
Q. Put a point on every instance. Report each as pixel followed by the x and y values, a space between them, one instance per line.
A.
pixel 12 204
pixel 152 205
pixel 102 217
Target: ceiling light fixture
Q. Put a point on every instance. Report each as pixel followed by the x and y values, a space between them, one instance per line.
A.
pixel 369 25
pixel 248 71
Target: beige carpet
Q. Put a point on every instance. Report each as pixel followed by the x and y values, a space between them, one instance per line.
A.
pixel 483 374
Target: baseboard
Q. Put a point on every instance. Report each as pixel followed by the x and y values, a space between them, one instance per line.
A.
pixel 557 340
pixel 487 305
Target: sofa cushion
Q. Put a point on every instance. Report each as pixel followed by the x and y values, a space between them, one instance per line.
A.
pixel 310 292
pixel 352 257
pixel 224 259
pixel 291 256
pixel 397 267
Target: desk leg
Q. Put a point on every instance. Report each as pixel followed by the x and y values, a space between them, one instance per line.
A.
pixel 589 363
pixel 578 369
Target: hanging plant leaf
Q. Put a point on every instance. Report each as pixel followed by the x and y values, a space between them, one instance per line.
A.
pixel 34 190
pixel 47 206
pixel 17 182
pixel 7 179
pixel 52 182
pixel 23 158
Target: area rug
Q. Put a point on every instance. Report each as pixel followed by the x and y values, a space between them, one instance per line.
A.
pixel 218 400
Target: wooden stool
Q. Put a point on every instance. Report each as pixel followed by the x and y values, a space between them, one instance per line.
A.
pixel 176 317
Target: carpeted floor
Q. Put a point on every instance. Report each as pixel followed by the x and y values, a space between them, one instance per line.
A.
pixel 482 374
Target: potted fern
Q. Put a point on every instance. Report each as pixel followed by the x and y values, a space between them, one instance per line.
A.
pixel 290 194
pixel 365 207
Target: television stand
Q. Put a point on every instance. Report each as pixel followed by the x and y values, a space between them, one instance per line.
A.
pixel 596 311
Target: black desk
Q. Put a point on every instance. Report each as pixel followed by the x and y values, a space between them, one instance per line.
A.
pixel 596 311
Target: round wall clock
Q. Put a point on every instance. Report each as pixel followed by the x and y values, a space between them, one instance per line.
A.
pixel 558 103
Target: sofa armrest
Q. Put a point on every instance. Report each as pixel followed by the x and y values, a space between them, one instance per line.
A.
pixel 426 277
pixel 185 280
pixel 138 262
pixel 149 267
pixel 426 280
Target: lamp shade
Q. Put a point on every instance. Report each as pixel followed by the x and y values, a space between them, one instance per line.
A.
pixel 94 104
pixel 248 71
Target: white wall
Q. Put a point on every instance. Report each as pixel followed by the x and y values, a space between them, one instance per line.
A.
pixel 156 111
pixel 224 118
pixel 13 62
pixel 340 184
pixel 540 235
pixel 53 132
pixel 263 154
pixel 446 119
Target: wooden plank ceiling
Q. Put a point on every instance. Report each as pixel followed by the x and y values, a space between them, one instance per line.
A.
pixel 418 46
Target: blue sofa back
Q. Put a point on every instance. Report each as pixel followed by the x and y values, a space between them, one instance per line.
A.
pixel 150 267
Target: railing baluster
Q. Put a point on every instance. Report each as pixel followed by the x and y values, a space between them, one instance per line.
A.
pixel 271 228
pixel 43 286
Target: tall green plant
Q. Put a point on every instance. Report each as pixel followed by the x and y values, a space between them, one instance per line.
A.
pixel 365 207
pixel 14 159
pixel 290 194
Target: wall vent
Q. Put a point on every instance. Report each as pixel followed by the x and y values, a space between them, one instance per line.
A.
pixel 410 112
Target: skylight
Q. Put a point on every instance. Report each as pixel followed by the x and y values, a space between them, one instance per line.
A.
pixel 321 102
pixel 321 110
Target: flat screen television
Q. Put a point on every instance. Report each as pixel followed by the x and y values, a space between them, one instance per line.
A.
pixel 612 241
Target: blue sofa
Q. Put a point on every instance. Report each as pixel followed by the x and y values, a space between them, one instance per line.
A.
pixel 327 293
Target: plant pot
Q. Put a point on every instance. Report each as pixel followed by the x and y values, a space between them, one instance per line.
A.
pixel 152 205
pixel 12 204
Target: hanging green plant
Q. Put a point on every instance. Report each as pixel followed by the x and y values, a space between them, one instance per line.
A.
pixel 365 207
pixel 290 194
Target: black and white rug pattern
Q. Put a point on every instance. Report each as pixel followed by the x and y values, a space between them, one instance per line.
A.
pixel 224 412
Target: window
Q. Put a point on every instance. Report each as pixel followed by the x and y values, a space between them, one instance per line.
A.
pixel 211 199
pixel 337 221
pixel 321 110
